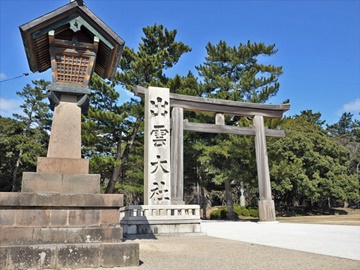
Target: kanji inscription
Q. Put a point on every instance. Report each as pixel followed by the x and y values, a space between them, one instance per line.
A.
pixel 157 147
pixel 159 133
pixel 159 191
pixel 159 107
pixel 159 163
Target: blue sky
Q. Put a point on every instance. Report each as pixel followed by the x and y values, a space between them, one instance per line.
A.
pixel 318 43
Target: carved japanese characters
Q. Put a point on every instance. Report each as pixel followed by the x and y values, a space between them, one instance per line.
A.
pixel 157 147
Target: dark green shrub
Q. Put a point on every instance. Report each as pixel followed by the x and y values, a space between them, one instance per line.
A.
pixel 220 213
pixel 254 213
pixel 215 214
pixel 245 212
pixel 237 209
pixel 223 213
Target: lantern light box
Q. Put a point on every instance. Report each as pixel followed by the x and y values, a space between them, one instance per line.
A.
pixel 74 43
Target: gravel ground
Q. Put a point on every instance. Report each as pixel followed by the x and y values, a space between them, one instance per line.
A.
pixel 248 245
pixel 204 252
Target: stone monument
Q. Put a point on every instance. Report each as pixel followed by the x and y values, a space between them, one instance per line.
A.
pixel 242 197
pixel 60 219
pixel 161 214
pixel 157 147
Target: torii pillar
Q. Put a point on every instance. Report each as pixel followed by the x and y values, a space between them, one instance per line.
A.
pixel 266 203
pixel 177 156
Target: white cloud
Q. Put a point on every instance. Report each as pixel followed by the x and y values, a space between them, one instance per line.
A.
pixel 353 106
pixel 9 106
pixel 3 76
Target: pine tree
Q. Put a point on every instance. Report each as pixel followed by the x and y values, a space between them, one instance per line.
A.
pixel 157 52
pixel 113 133
pixel 11 134
pixel 35 121
pixel 309 116
pixel 234 73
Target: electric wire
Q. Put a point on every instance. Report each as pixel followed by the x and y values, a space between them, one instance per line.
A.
pixel 23 75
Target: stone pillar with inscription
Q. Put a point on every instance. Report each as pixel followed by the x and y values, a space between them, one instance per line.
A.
pixel 162 213
pixel 157 147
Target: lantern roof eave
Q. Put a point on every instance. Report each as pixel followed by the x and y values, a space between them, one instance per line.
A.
pixel 34 35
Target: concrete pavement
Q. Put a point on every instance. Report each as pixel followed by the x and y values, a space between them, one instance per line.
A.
pixel 332 240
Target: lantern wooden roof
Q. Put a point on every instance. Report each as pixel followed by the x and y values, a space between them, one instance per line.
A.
pixel 73 17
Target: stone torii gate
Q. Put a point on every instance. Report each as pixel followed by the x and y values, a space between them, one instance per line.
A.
pixel 179 103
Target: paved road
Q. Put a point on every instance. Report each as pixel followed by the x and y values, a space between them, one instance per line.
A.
pixel 332 240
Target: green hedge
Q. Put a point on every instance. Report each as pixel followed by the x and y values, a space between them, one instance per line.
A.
pixel 222 212
pixel 219 214
pixel 245 212
pixel 254 213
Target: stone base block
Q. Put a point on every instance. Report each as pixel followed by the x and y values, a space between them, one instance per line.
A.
pixel 46 210
pixel 62 165
pixel 65 217
pixel 61 183
pixel 148 221
pixel 152 229
pixel 267 210
pixel 31 236
pixel 31 200
pixel 58 256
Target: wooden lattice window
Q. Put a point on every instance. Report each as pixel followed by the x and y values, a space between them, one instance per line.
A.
pixel 71 69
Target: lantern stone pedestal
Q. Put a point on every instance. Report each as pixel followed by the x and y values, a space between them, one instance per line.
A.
pixel 60 219
pixel 41 230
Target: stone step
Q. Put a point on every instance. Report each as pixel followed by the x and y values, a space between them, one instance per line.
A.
pixel 60 183
pixel 53 217
pixel 31 236
pixel 60 256
pixel 62 165
pixel 48 199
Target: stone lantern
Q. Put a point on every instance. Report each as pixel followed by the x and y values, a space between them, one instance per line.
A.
pixel 60 219
pixel 74 43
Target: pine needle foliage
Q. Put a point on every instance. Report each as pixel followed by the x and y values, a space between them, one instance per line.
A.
pixel 234 72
